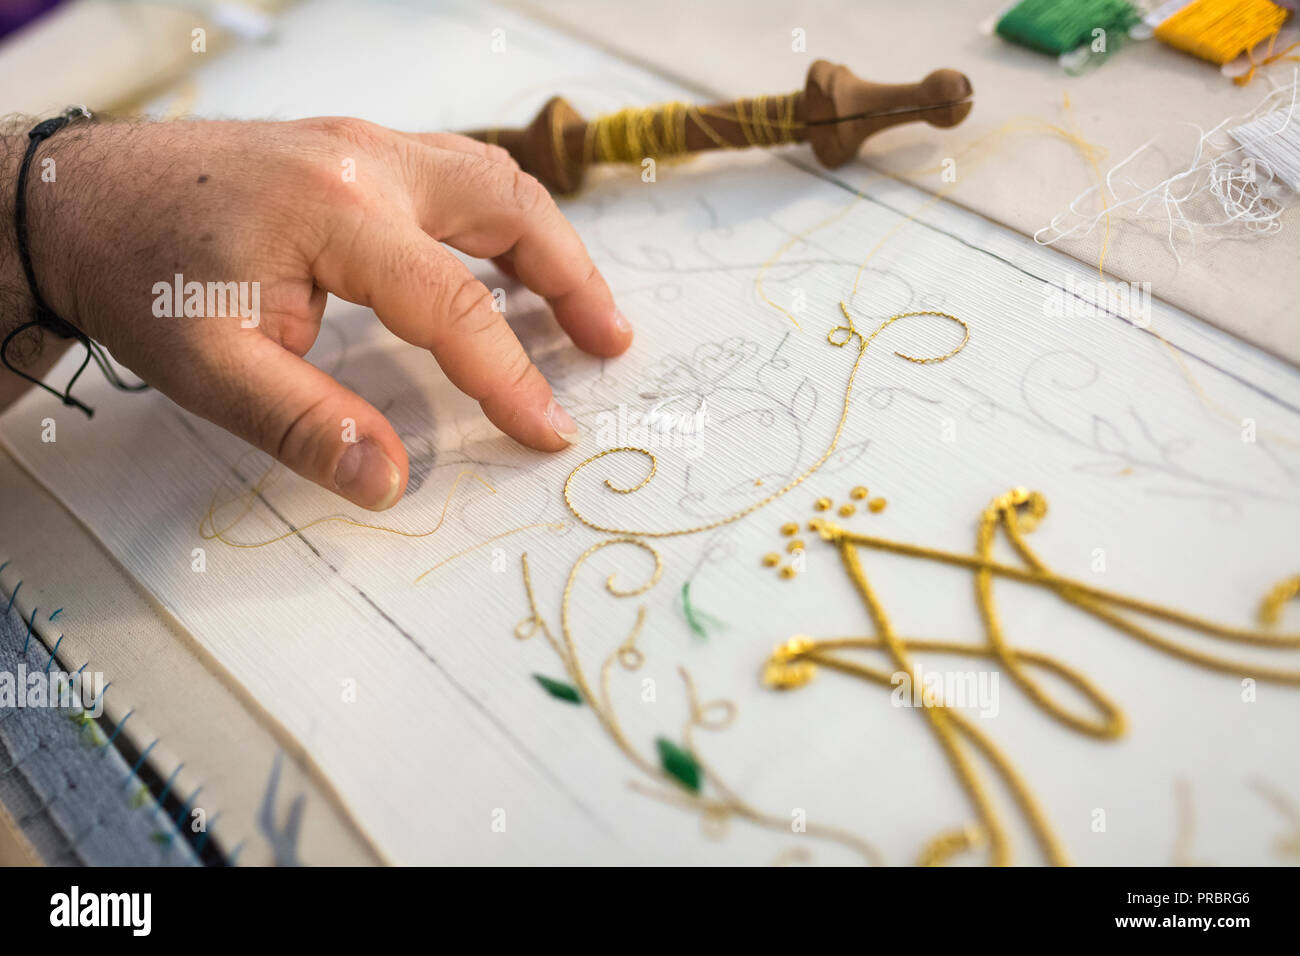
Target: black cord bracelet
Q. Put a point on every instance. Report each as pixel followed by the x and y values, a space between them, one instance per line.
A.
pixel 45 317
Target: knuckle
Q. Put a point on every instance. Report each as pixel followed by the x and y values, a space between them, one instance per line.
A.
pixel 499 154
pixel 359 132
pixel 469 309
pixel 326 186
pixel 519 371
pixel 324 182
pixel 291 433
pixel 524 192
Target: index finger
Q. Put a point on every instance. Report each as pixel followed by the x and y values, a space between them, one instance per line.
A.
pixel 490 209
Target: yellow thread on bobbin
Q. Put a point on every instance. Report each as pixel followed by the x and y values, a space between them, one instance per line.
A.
pixel 638 133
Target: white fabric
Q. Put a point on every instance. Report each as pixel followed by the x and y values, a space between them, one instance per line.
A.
pixel 449 733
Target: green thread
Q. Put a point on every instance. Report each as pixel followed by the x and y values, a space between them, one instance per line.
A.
pixel 679 764
pixel 1059 26
pixel 559 689
pixel 698 621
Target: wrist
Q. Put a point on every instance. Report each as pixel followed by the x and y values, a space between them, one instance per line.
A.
pixel 16 301
pixel 54 197
pixel 33 350
pixel 51 206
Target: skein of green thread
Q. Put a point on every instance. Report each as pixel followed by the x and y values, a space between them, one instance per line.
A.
pixel 1058 26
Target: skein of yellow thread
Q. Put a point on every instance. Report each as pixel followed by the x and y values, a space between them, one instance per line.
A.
pixel 1221 30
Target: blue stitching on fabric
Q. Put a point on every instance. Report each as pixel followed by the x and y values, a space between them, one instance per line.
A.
pixel 52 653
pixel 116 730
pixel 135 771
pixel 10 606
pixel 29 628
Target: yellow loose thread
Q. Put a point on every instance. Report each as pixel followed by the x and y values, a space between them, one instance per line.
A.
pixel 1288 844
pixel 548 525
pixel 1269 56
pixel 1185 826
pixel 209 531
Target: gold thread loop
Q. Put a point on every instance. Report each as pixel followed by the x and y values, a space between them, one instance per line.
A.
pixel 703 714
pixel 613 589
pixel 654 467
pixel 1270 609
pixel 919 360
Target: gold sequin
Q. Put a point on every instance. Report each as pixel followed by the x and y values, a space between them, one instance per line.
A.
pixel 823 504
pixel 795 545
pixel 789 528
pixel 858 493
pixel 788 572
pixel 771 559
pixel 876 505
pixel 847 510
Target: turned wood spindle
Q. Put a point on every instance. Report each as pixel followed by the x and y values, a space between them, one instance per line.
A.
pixel 834 113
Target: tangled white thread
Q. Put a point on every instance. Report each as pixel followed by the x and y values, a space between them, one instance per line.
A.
pixel 1233 186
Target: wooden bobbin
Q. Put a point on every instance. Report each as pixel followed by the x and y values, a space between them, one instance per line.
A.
pixel 835 113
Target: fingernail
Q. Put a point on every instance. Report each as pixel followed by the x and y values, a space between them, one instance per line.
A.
pixel 366 476
pixel 621 322
pixel 564 426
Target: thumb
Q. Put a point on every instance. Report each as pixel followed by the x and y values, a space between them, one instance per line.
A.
pixel 310 423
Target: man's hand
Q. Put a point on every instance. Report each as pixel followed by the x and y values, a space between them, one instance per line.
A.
pixel 132 205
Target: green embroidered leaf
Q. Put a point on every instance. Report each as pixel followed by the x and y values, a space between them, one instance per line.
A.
pixel 679 764
pixel 559 689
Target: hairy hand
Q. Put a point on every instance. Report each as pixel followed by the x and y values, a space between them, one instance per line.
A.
pixel 133 205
